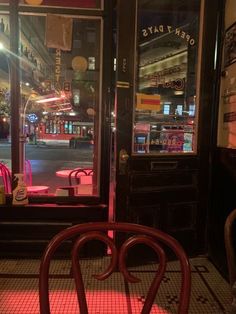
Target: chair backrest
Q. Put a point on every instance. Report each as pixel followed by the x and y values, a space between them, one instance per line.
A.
pixel 230 245
pixel 28 173
pixel 137 234
pixel 88 179
pixel 80 176
pixel 6 177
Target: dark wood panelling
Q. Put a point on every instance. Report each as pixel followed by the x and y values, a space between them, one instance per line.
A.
pixel 163 193
pixel 223 202
pixel 176 194
pixel 181 216
pixel 144 181
pixel 26 230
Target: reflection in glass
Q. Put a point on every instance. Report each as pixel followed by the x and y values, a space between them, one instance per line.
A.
pixel 165 105
pixel 5 110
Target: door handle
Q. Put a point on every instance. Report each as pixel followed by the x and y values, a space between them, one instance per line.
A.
pixel 123 158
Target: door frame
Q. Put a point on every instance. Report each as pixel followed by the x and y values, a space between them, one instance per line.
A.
pixel 200 163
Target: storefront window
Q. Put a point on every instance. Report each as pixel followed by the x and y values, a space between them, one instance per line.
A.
pixel 5 110
pixel 165 117
pixel 60 97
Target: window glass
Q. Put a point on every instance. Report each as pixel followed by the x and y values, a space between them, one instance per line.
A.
pixel 60 98
pixel 5 110
pixel 165 113
pixel 166 109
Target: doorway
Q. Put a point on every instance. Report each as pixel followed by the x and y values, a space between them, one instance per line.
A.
pixel 162 170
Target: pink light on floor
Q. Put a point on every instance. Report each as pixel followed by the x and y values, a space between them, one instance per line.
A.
pixel 64 301
pixel 19 302
pixel 100 301
pixel 114 302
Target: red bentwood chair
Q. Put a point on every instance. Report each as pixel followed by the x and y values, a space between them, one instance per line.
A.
pixel 138 234
pixel 33 189
pixel 6 177
pixel 80 176
pixel 5 172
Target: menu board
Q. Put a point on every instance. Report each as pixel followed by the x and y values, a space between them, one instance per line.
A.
pixel 230 45
pixel 227 104
pixel 227 120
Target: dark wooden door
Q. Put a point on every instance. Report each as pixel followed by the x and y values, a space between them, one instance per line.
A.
pixel 162 154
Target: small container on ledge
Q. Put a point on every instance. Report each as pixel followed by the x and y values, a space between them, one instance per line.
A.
pixel 19 190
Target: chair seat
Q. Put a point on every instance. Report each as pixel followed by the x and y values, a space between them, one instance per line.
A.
pixel 132 235
pixel 37 189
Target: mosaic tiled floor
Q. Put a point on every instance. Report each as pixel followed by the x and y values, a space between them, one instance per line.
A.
pixel 19 289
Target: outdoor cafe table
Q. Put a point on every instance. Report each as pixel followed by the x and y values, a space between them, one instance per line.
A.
pixel 66 172
pixel 85 188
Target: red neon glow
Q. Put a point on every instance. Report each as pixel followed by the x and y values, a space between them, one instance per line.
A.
pixel 58 105
pixel 65 109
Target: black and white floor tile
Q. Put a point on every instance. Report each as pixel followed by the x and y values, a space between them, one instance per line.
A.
pixel 19 288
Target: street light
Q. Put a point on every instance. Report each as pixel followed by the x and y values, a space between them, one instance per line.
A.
pixel 24 109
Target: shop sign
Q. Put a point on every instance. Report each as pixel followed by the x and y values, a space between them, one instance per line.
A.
pixel 165 72
pixel 142 128
pixel 148 102
pixel 177 84
pixel 156 29
pixel 230 45
pixel 57 67
pixel 32 117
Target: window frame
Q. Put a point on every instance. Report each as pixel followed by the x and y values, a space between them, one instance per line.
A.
pixel 14 10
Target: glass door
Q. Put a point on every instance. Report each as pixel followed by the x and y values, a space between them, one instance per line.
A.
pixel 157 82
pixel 157 115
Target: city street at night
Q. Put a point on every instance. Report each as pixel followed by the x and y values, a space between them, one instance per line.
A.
pixel 46 159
